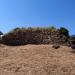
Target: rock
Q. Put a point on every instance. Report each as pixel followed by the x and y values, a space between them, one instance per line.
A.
pixel 56 46
pixel 73 46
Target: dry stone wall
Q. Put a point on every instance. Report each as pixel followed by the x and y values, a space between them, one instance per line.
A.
pixel 34 37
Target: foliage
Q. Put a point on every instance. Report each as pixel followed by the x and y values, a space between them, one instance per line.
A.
pixel 1 33
pixel 53 29
pixel 64 31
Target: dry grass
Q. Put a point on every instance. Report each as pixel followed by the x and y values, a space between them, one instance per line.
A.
pixel 36 60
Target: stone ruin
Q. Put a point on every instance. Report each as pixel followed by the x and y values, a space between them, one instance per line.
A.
pixel 72 41
pixel 32 36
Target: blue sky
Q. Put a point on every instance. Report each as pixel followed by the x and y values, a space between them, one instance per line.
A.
pixel 34 13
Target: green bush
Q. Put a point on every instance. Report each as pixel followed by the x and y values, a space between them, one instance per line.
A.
pixel 64 31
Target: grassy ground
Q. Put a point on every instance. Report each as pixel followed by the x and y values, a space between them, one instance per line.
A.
pixel 36 60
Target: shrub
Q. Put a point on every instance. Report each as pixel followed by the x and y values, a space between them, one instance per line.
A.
pixel 53 29
pixel 64 31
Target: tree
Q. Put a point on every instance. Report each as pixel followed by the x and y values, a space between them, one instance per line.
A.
pixel 1 36
pixel 64 31
pixel 1 33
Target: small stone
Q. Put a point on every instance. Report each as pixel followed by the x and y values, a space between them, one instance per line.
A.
pixel 56 46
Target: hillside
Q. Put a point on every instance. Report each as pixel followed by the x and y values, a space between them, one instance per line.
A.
pixel 36 60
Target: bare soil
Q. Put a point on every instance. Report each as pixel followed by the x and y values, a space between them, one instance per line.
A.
pixel 36 60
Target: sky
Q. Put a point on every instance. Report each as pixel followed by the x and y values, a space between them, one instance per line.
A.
pixel 37 13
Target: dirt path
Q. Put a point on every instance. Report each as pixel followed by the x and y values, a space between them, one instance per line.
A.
pixel 36 60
